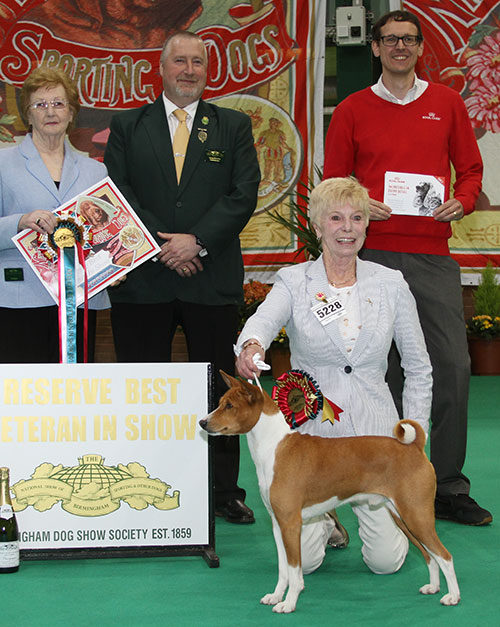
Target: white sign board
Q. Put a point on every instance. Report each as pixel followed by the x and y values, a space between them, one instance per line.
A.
pixel 106 455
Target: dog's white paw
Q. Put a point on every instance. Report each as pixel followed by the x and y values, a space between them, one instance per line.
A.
pixel 450 599
pixel 429 588
pixel 271 599
pixel 285 607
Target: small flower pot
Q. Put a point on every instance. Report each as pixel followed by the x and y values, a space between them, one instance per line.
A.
pixel 485 356
pixel 280 360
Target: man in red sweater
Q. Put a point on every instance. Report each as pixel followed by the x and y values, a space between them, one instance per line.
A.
pixel 405 125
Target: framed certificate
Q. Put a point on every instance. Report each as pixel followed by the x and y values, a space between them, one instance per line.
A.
pixel 116 240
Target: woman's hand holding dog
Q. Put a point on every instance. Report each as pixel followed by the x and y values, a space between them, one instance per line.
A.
pixel 245 362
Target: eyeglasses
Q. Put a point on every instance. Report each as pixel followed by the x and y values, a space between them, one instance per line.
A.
pixel 393 40
pixel 42 105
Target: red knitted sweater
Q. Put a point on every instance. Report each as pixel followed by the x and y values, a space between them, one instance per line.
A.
pixel 369 136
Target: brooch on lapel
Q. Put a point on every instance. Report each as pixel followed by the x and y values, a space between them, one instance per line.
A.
pixel 321 297
pixel 202 132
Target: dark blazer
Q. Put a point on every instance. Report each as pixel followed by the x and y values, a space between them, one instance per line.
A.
pixel 215 199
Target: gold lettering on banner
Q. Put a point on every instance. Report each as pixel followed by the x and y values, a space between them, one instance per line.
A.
pixel 240 59
pixel 147 391
pixel 27 391
pixel 43 429
pixel 105 427
pixel 93 489
pixel 152 427
pixel 103 81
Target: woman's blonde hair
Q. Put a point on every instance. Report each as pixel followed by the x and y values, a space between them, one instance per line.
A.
pixel 44 76
pixel 338 192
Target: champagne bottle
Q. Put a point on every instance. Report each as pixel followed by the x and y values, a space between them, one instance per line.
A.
pixel 9 534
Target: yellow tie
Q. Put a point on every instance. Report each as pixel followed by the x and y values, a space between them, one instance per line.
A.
pixel 181 139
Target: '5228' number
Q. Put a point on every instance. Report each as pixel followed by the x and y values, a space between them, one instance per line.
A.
pixel 328 309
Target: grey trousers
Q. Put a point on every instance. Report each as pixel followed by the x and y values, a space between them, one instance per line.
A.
pixel 434 281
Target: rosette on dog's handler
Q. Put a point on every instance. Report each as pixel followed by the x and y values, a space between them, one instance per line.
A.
pixel 67 246
pixel 300 399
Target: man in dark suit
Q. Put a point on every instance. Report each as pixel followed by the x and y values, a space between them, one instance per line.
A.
pixel 198 279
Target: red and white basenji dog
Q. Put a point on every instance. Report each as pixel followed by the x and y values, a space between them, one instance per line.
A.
pixel 333 471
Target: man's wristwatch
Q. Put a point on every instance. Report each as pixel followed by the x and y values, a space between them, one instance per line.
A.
pixel 203 252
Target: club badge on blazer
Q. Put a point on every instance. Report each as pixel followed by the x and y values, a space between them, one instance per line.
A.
pixel 215 156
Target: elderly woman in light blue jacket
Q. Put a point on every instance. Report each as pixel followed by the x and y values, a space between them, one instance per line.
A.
pixel 36 176
pixel 346 352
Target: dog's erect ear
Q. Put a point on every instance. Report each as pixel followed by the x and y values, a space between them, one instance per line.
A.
pixel 252 390
pixel 228 379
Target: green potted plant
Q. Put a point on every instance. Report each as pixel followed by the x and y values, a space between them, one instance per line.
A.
pixel 483 329
pixel 298 222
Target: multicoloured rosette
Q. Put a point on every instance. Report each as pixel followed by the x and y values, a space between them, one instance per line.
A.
pixel 71 229
pixel 72 233
pixel 300 399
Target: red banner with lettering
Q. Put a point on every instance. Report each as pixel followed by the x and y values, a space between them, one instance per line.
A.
pixel 462 50
pixel 265 58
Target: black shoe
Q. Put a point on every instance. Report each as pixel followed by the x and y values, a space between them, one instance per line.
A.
pixel 235 511
pixel 461 508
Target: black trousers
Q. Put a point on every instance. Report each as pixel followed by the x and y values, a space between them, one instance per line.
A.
pixel 144 333
pixel 31 335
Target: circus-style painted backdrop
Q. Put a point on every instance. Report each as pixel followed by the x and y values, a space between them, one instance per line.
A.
pixel 462 50
pixel 265 58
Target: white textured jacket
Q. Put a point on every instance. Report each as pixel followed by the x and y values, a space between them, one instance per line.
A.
pixel 354 381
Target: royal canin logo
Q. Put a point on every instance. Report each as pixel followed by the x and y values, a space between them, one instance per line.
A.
pixel 431 116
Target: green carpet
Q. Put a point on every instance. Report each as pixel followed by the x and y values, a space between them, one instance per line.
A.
pixel 185 592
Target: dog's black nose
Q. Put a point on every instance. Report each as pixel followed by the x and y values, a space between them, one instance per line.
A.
pixel 203 423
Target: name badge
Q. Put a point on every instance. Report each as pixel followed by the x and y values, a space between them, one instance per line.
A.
pixel 13 274
pixel 215 156
pixel 327 311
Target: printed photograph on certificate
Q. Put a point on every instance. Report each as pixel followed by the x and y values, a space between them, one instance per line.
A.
pixel 413 194
pixel 112 237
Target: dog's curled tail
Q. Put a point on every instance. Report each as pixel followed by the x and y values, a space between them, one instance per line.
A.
pixel 409 432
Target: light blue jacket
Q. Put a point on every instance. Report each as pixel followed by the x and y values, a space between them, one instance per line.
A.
pixel 26 185
pixel 355 381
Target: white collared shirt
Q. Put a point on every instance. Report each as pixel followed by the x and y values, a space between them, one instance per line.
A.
pixel 419 86
pixel 173 122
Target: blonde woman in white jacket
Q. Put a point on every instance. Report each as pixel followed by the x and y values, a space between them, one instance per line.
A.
pixel 347 353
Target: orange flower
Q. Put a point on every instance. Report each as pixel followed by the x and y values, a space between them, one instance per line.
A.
pixel 254 293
